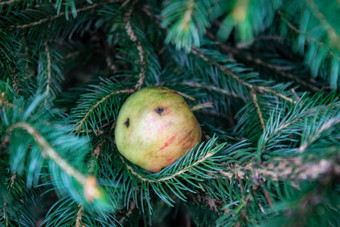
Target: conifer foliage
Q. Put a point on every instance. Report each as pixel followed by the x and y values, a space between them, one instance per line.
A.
pixel 262 77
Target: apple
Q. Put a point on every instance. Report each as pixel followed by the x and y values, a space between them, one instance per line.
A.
pixel 155 127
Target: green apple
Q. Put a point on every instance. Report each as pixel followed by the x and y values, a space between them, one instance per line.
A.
pixel 155 127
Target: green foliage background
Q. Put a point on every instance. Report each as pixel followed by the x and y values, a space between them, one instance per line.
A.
pixel 270 154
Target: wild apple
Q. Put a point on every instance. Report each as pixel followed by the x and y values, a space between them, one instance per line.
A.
pixel 155 127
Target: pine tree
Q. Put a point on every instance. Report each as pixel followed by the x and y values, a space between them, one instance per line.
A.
pixel 266 73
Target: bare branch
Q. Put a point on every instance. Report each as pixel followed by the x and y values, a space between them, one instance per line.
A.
pixel 140 49
pixel 48 82
pixel 7 2
pixel 79 215
pixel 202 106
pixel 286 169
pixel 258 109
pixel 212 88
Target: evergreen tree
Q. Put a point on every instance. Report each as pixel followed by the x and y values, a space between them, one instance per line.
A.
pixel 261 76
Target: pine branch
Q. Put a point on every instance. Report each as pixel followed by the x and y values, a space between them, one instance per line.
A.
pixel 251 87
pixel 308 38
pixel 46 139
pixel 331 123
pixel 300 208
pixel 237 52
pixel 89 183
pixel 14 199
pixel 330 30
pixel 98 103
pixel 245 19
pixel 248 183
pixel 186 174
pixel 261 89
pixel 174 175
pixel 91 167
pixel 315 36
pixel 186 21
pixel 9 188
pixel 52 18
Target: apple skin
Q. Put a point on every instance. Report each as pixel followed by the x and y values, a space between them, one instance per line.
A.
pixel 155 127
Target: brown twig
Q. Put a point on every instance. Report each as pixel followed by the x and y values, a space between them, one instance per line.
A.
pixel 48 81
pixel 286 169
pixel 202 106
pixel 212 88
pixel 261 207
pixel 7 2
pixel 258 109
pixel 296 95
pixel 132 207
pixel 70 55
pixel 266 195
pixel 285 125
pixel 257 39
pixel 185 95
pixel 79 215
pixel 140 49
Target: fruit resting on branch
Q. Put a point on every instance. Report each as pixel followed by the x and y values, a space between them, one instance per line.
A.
pixel 155 127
